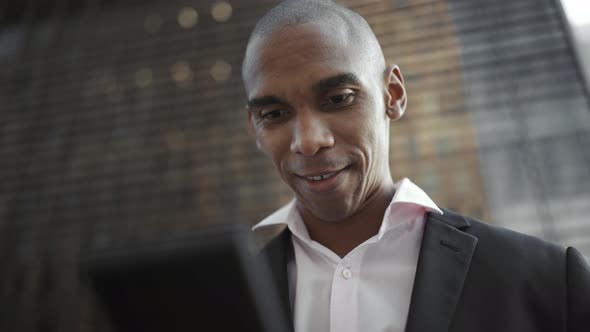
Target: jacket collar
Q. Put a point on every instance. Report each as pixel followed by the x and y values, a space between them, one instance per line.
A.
pixel 443 263
pixel 279 251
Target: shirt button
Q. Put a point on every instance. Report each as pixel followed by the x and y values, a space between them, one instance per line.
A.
pixel 346 273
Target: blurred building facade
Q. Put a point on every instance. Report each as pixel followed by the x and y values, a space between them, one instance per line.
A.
pixel 124 122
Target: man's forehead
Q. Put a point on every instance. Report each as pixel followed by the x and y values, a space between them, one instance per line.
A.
pixel 307 52
pixel 310 38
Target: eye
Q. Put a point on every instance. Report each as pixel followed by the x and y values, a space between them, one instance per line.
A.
pixel 341 99
pixel 274 115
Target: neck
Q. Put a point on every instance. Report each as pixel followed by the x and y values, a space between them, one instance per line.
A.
pixel 344 235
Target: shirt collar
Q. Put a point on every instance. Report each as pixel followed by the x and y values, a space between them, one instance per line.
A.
pixel 407 205
pixel 280 216
pixel 406 192
pixel 287 215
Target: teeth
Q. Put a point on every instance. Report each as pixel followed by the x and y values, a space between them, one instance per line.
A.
pixel 320 177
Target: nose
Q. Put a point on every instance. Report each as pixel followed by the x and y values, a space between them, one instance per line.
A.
pixel 310 134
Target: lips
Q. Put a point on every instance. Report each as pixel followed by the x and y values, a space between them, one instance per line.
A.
pixel 323 181
pixel 321 176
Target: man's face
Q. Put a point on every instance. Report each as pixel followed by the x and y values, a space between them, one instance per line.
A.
pixel 317 108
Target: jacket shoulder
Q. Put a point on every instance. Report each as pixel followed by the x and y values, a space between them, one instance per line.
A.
pixel 508 256
pixel 517 245
pixel 503 240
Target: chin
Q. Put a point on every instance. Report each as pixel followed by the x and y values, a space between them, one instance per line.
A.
pixel 329 209
pixel 333 214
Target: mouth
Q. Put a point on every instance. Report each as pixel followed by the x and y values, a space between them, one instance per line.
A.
pixel 323 181
pixel 321 176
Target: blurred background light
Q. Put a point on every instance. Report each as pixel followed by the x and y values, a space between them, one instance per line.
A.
pixel 577 14
pixel 182 73
pixel 187 17
pixel 220 71
pixel 221 11
pixel 577 11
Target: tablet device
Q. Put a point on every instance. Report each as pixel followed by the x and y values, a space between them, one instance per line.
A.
pixel 208 281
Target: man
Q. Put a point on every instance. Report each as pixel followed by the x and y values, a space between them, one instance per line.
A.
pixel 360 252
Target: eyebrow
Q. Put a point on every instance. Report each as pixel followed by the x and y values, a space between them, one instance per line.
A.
pixel 336 81
pixel 264 101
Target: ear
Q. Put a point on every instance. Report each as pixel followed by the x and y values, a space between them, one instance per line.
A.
pixel 252 131
pixel 396 99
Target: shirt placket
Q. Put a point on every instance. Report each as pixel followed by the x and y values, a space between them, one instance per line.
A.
pixel 343 298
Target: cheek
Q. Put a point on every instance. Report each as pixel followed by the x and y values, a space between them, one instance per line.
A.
pixel 361 131
pixel 364 135
pixel 274 143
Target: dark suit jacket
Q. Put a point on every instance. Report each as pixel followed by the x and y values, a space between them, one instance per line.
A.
pixel 475 277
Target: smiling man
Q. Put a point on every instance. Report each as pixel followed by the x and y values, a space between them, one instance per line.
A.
pixel 360 252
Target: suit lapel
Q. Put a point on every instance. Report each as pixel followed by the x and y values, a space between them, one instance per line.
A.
pixel 278 251
pixel 445 255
